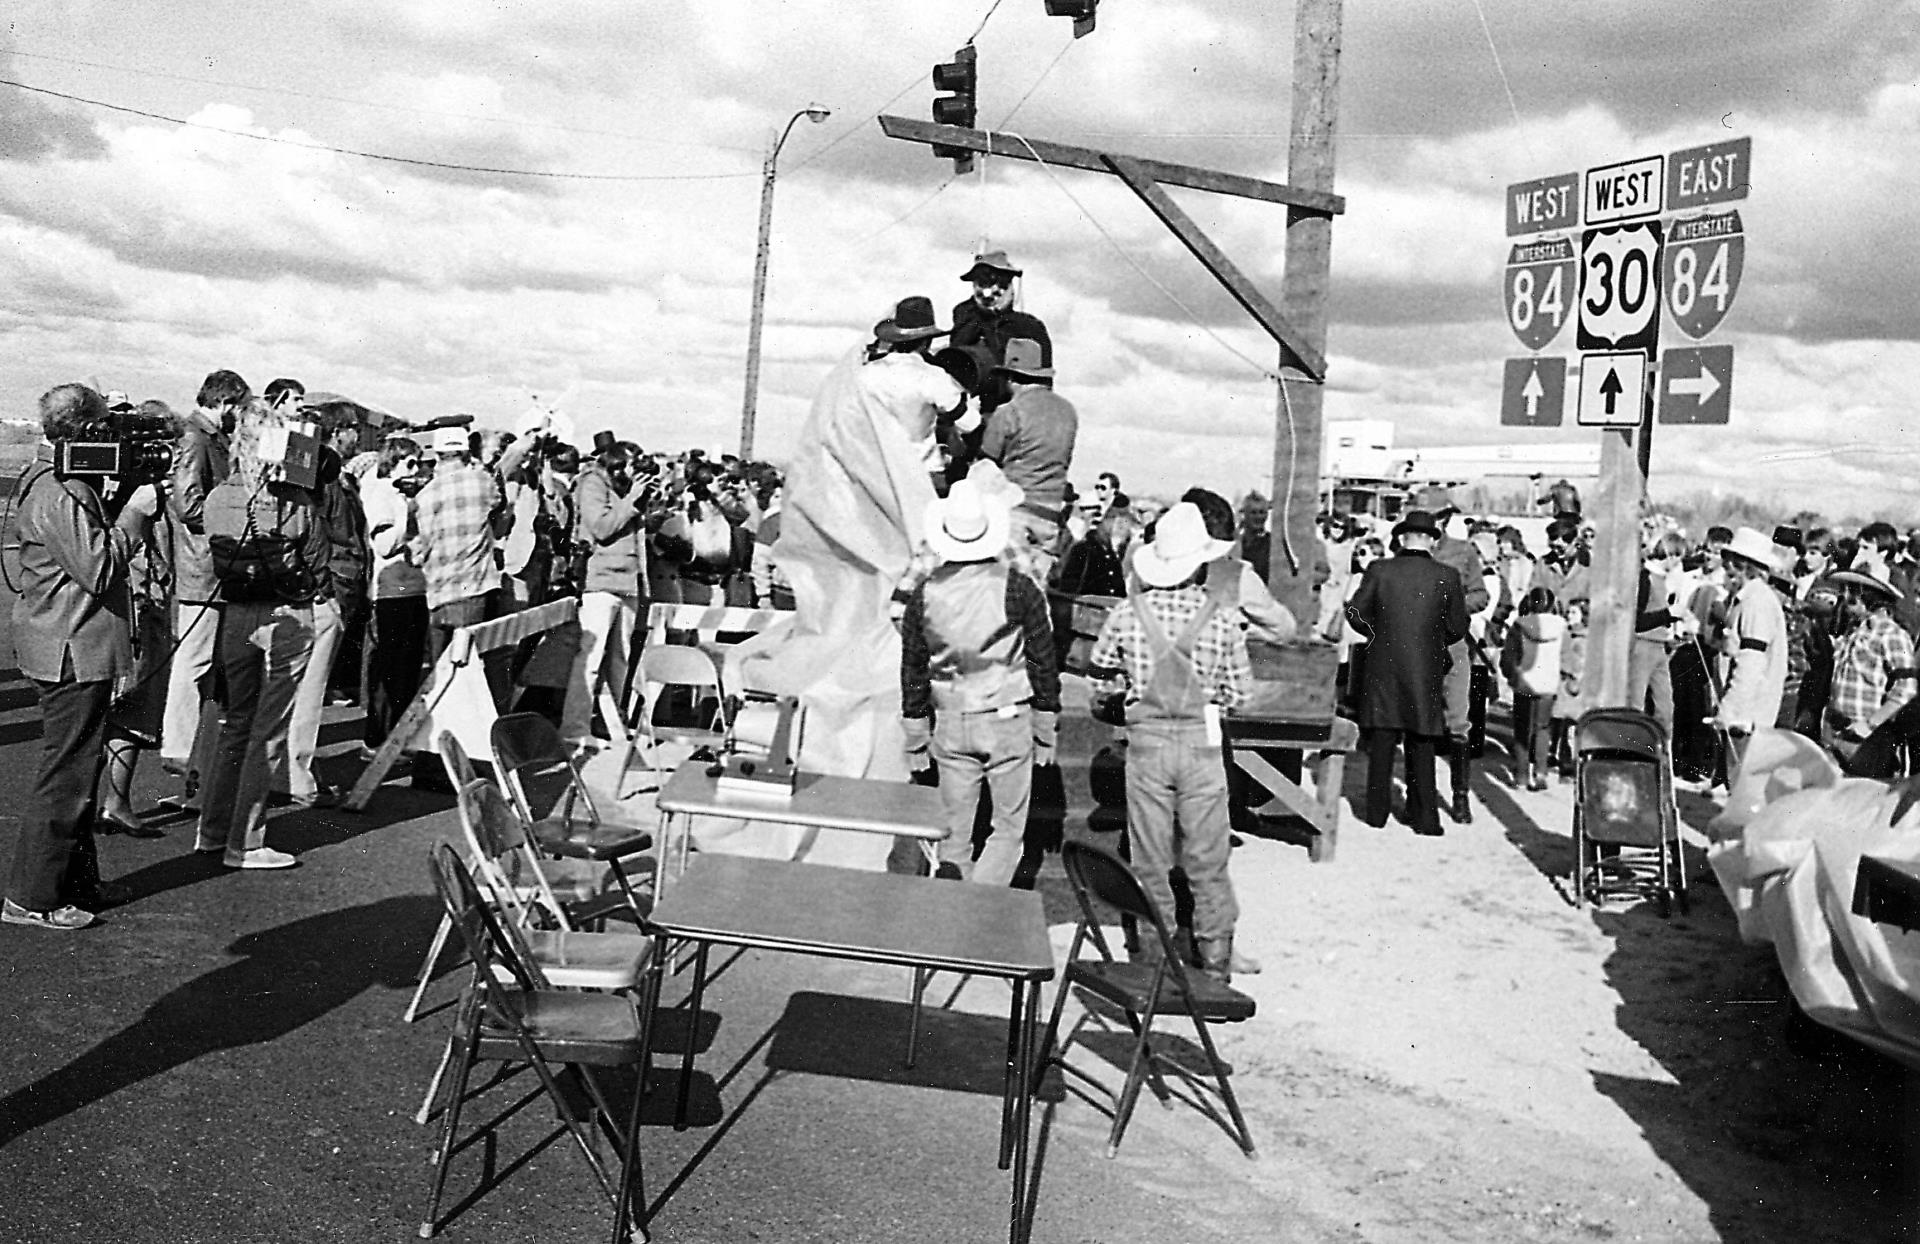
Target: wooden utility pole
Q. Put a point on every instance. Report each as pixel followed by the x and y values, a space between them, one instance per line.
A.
pixel 1309 257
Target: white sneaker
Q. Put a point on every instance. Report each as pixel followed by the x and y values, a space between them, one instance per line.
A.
pixel 260 857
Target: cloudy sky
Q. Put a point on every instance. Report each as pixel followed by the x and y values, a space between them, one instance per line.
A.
pixel 146 252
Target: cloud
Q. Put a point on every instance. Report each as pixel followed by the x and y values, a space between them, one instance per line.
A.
pixel 33 130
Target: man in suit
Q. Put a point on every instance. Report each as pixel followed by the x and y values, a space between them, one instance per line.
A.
pixel 1411 609
pixel 1451 550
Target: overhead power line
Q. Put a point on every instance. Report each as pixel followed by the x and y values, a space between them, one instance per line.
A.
pixel 376 155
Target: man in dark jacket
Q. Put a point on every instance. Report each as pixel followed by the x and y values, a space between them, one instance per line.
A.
pixel 1411 610
pixel 986 322
pixel 1460 554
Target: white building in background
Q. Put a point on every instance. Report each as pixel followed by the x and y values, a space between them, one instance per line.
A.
pixel 1361 470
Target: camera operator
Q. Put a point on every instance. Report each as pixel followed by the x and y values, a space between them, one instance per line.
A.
pixel 615 512
pixel 71 636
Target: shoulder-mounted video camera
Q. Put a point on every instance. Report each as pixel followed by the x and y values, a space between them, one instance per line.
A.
pixel 124 445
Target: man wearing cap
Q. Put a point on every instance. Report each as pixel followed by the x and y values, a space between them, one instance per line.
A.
pixel 1411 610
pixel 1873 663
pixel 1462 656
pixel 1031 438
pixel 911 389
pixel 461 512
pixel 1184 661
pixel 1757 634
pixel 976 654
pixel 987 321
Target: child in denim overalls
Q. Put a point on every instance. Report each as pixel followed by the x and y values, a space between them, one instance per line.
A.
pixel 1185 662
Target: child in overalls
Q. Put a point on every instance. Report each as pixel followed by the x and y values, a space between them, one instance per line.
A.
pixel 976 652
pixel 1185 662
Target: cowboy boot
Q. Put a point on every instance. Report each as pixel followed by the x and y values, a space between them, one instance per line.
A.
pixel 1459 764
pixel 1215 955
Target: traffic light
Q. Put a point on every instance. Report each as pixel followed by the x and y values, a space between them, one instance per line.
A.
pixel 1081 11
pixel 960 76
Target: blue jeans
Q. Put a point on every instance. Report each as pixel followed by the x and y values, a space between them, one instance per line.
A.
pixel 1172 769
pixel 264 649
pixel 968 747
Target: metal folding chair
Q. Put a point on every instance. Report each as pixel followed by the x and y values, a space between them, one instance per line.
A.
pixel 1161 984
pixel 519 1018
pixel 664 665
pixel 544 782
pixel 498 853
pixel 460 772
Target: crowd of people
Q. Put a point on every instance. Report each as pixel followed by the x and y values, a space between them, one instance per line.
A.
pixel 1806 630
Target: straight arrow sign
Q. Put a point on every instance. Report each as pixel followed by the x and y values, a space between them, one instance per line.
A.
pixel 1534 394
pixel 1613 388
pixel 1696 384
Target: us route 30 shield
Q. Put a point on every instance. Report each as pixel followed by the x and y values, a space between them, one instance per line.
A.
pixel 1613 389
pixel 1696 384
pixel 1541 286
pixel 1535 393
pixel 1700 271
pixel 1620 287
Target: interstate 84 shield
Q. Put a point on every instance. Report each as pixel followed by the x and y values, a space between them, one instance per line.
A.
pixel 1541 283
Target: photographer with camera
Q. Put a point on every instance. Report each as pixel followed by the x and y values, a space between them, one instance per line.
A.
pixel 200 461
pixel 616 511
pixel 268 545
pixel 71 636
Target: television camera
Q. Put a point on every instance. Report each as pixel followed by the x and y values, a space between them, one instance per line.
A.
pixel 126 445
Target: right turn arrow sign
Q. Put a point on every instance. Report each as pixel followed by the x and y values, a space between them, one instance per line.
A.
pixel 1696 384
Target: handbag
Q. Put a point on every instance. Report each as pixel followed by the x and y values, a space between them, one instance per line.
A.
pixel 261 566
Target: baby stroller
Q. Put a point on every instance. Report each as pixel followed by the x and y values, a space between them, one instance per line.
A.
pixel 1626 825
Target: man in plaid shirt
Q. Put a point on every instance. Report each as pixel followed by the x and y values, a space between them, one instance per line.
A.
pixel 461 512
pixel 1873 664
pixel 1185 662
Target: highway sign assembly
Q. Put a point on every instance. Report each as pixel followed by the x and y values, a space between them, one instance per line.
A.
pixel 1613 389
pixel 1700 271
pixel 1535 393
pixel 1540 289
pixel 1696 384
pixel 1619 287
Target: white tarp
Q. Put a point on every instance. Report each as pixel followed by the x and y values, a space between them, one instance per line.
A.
pixel 1786 851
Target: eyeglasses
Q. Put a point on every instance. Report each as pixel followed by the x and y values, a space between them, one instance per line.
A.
pixel 997 280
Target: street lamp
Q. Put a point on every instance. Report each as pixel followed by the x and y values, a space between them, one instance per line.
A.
pixel 816 114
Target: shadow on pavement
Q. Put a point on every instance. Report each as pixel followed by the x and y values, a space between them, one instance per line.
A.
pixel 288 976
pixel 959 1051
pixel 1782 1136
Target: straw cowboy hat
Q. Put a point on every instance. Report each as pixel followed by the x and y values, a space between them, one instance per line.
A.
pixel 1180 546
pixel 912 320
pixel 967 525
pixel 1876 579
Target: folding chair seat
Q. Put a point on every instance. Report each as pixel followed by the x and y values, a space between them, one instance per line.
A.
pixel 664 665
pixel 1161 984
pixel 518 1017
pixel 545 785
pixel 497 850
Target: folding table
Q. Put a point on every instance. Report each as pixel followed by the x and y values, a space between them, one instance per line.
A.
pixel 865 805
pixel 1255 742
pixel 915 922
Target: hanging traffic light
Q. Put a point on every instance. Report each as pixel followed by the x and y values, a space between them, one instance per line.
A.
pixel 1081 11
pixel 960 76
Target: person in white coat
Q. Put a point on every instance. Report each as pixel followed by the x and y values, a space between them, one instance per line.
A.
pixel 1756 634
pixel 1530 662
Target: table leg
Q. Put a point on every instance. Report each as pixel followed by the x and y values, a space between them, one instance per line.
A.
pixel 920 978
pixel 1023 1107
pixel 693 1037
pixel 1008 1089
pixel 1329 776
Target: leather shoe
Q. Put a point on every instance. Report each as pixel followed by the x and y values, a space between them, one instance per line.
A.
pixel 1462 809
pixel 132 829
pixel 1429 831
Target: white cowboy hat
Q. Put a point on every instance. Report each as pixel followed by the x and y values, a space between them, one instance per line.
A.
pixel 1751 545
pixel 448 441
pixel 966 525
pixel 1179 547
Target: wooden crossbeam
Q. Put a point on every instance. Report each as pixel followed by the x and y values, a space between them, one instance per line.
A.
pixel 1141 181
pixel 1019 148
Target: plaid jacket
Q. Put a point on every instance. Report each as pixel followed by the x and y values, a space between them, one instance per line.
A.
pixel 457 512
pixel 1872 665
pixel 1219 651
